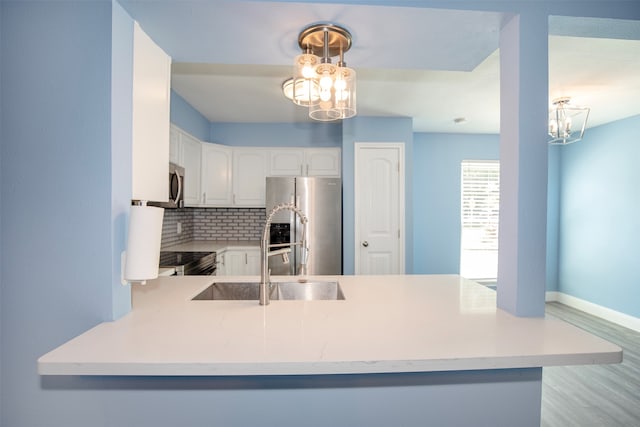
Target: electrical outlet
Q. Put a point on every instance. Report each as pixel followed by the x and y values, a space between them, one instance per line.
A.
pixel 179 228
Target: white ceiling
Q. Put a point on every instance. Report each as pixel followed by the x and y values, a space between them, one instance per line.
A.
pixel 230 59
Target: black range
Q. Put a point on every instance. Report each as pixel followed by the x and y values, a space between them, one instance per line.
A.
pixel 189 263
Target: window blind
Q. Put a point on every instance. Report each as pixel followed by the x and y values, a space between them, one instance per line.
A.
pixel 480 206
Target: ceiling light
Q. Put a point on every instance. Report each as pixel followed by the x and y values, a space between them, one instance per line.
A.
pixel 302 93
pixel 566 122
pixel 328 90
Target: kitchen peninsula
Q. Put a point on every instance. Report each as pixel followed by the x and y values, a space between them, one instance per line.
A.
pixel 436 334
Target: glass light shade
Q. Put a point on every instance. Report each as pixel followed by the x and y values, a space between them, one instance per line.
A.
pixel 566 122
pixel 324 110
pixel 345 92
pixel 305 90
pixel 301 92
pixel 287 88
pixel 305 65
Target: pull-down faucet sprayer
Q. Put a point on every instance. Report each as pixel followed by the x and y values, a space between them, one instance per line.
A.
pixel 265 279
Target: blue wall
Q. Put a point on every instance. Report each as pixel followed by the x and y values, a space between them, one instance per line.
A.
pixel 436 196
pixel 56 194
pixel 277 134
pixel 553 217
pixel 121 151
pixel 374 129
pixel 188 118
pixel 599 222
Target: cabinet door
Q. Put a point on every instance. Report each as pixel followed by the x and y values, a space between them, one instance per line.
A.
pixel 249 173
pixel 175 147
pixel 150 119
pixel 191 149
pixel 252 262
pixel 221 265
pixel 235 262
pixel 322 162
pixel 286 162
pixel 216 175
pixel 238 262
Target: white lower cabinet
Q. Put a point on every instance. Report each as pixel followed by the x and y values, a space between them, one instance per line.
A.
pixel 238 262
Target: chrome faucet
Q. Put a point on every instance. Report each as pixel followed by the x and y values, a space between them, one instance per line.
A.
pixel 265 246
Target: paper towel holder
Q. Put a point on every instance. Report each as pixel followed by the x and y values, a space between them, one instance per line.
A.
pixel 139 262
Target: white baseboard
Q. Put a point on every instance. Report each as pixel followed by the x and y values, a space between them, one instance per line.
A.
pixel 605 313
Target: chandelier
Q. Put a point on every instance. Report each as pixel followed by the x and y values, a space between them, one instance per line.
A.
pixel 328 90
pixel 566 122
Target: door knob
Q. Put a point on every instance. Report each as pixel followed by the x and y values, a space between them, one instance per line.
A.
pixel 365 243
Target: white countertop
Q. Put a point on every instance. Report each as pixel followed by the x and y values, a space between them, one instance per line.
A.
pixel 385 324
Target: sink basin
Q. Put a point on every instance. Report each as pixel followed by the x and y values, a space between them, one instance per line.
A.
pixel 308 291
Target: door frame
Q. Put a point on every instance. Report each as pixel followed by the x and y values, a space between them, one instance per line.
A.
pixel 358 146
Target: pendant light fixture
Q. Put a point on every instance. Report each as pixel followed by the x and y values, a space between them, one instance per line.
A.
pixel 328 90
pixel 566 122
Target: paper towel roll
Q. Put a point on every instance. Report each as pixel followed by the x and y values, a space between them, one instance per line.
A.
pixel 143 244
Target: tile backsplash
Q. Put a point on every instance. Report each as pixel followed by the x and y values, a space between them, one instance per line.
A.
pixel 212 224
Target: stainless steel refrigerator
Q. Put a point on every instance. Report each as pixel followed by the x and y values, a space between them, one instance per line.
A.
pixel 321 200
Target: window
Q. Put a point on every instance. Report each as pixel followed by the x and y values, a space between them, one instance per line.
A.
pixel 479 219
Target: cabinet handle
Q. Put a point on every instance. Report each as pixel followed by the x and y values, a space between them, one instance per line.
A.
pixel 246 258
pixel 307 169
pixel 204 197
pixel 301 172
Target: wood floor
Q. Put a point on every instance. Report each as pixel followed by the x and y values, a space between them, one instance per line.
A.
pixel 598 395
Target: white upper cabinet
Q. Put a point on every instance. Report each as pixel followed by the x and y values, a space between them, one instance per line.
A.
pixel 216 175
pixel 249 172
pixel 322 162
pixel 304 162
pixel 176 152
pixel 151 95
pixel 286 162
pixel 192 163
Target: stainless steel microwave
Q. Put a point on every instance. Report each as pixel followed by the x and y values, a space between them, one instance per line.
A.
pixel 176 189
pixel 176 185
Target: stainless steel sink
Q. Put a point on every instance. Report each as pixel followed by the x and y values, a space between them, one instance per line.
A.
pixel 308 291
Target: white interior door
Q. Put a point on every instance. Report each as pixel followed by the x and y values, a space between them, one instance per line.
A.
pixel 379 208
